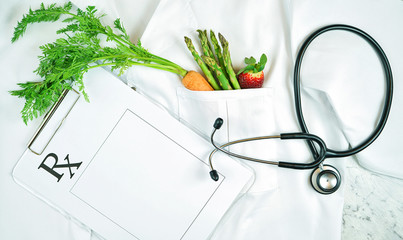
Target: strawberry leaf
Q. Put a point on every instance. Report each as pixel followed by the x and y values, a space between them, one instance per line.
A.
pixel 262 63
pixel 263 59
pixel 252 66
pixel 246 69
pixel 250 61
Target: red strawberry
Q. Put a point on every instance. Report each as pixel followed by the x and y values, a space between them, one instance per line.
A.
pixel 252 75
pixel 251 79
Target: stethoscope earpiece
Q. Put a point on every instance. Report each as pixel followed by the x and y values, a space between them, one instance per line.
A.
pixel 218 123
pixel 326 179
pixel 214 175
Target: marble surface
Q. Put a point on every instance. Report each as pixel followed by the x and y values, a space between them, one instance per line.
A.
pixel 373 205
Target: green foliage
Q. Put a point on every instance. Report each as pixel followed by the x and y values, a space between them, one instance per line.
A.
pixel 252 66
pixel 64 62
pixel 51 13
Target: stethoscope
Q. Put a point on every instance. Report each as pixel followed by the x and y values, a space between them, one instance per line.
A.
pixel 325 179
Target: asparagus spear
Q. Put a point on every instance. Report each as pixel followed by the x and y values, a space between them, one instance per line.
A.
pixel 217 50
pixel 218 71
pixel 228 63
pixel 207 49
pixel 201 64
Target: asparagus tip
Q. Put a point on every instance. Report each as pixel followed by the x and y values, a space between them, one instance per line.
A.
pixel 223 41
pixel 188 40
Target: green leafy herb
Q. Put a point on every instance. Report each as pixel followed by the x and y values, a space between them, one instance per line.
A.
pixel 252 66
pixel 64 62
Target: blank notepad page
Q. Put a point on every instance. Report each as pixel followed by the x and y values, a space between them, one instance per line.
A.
pixel 177 188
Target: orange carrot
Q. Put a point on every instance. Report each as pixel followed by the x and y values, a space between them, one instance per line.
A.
pixel 196 82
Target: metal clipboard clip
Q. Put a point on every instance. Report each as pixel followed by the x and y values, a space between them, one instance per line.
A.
pixel 53 120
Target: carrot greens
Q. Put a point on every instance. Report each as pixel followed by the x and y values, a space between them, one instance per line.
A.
pixel 64 62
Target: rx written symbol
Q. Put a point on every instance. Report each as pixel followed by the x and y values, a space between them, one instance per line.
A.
pixel 51 156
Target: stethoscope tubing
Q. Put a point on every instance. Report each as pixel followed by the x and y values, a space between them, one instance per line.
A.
pixel 388 95
pixel 221 148
pixel 284 136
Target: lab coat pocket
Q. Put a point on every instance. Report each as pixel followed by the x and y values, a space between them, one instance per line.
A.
pixel 246 113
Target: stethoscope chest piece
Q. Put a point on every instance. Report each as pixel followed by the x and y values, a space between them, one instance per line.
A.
pixel 326 179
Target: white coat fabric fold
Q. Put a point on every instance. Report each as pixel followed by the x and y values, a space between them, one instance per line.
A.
pixel 280 199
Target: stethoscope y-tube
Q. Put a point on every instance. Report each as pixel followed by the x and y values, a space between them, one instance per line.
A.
pixel 325 179
pixel 284 136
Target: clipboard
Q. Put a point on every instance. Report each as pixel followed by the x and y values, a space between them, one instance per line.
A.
pixel 125 168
